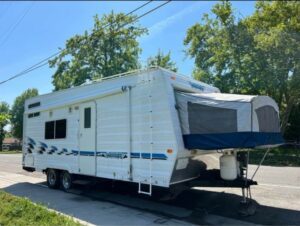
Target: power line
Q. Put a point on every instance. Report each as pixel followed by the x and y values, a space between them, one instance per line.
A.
pixel 41 63
pixel 138 8
pixel 12 29
pixel 32 68
pixel 150 11
pixel 140 16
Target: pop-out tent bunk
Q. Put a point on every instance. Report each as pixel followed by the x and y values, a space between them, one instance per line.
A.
pixel 212 121
pixel 217 121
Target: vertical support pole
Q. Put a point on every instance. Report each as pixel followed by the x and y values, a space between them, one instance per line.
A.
pixel 244 200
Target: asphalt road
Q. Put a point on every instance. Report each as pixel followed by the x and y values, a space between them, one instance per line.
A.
pixel 277 198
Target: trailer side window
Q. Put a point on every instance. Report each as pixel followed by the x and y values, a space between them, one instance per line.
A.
pixel 49 130
pixel 60 128
pixel 207 119
pixel 36 114
pixel 268 119
pixel 87 118
pixel 33 105
pixel 56 129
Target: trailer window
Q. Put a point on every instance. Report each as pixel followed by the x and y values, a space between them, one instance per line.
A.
pixel 208 119
pixel 56 129
pixel 33 105
pixel 60 128
pixel 268 119
pixel 36 114
pixel 87 118
pixel 49 130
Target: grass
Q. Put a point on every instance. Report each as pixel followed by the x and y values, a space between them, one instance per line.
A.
pixel 11 152
pixel 277 157
pixel 20 211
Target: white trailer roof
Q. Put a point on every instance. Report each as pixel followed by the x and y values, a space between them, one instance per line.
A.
pixel 220 98
pixel 112 84
pixel 225 97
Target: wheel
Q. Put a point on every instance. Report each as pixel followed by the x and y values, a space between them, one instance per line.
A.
pixel 52 178
pixel 66 180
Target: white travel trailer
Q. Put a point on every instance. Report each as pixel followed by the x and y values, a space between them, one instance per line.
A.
pixel 144 126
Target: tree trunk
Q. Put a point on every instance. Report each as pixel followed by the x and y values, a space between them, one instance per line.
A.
pixel 286 115
pixel 1 137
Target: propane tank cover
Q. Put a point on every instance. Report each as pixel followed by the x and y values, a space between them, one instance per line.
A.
pixel 228 167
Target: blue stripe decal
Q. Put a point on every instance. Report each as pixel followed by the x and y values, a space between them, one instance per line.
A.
pixel 135 155
pixel 231 140
pixel 75 152
pixel 31 141
pixel 43 145
pixel 119 155
pixel 53 148
pixel 147 155
pixel 87 153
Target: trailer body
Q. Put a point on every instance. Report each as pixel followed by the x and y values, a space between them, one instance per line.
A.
pixel 127 127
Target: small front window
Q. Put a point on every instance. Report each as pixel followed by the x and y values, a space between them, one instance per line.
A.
pixel 33 105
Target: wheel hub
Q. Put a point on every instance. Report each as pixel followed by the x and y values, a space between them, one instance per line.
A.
pixel 52 178
pixel 66 181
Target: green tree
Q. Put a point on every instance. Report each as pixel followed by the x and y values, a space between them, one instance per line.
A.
pixel 258 54
pixel 4 120
pixel 17 112
pixel 105 51
pixel 275 28
pixel 162 60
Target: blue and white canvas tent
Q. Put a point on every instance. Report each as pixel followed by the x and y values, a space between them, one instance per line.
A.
pixel 212 121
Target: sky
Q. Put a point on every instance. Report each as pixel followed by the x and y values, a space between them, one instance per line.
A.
pixel 32 31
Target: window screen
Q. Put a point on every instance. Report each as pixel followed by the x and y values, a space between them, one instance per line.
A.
pixel 268 120
pixel 60 128
pixel 87 118
pixel 205 119
pixel 49 130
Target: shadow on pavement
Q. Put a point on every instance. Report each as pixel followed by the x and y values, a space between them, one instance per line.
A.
pixel 191 205
pixel 228 205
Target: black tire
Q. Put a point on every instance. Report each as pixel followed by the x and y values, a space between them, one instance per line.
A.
pixel 53 178
pixel 66 180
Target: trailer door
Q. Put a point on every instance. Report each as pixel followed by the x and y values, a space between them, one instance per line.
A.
pixel 87 139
